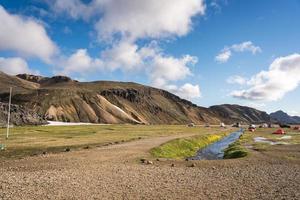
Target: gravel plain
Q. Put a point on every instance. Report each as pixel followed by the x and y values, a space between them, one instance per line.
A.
pixel 115 172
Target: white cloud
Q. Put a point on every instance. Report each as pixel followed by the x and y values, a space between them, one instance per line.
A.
pixel 246 46
pixel 189 91
pixel 135 18
pixel 152 19
pixel 281 78
pixel 123 55
pixel 227 52
pixel 74 8
pixel 128 57
pixel 186 91
pixel 171 69
pixel 237 80
pixel 14 66
pixel 223 56
pixel 166 69
pixel 80 62
pixel 25 36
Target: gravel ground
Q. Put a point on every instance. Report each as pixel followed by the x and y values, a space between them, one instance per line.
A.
pixel 114 172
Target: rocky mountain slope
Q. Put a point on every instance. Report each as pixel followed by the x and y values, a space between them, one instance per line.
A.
pixel 284 118
pixel 19 116
pixel 229 113
pixel 60 98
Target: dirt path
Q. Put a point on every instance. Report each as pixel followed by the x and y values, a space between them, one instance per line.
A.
pixel 113 172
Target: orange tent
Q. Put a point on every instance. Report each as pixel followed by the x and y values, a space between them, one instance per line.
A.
pixel 279 131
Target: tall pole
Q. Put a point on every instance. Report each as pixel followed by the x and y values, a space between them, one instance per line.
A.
pixel 8 116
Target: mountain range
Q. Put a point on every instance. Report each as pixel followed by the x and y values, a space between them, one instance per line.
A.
pixel 284 118
pixel 60 98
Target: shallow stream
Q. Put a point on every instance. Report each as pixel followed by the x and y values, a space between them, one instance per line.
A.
pixel 215 151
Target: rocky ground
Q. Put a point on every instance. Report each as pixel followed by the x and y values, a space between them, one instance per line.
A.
pixel 114 172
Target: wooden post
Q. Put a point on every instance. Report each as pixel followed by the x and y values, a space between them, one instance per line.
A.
pixel 8 116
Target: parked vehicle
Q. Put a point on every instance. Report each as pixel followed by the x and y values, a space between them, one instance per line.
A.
pixel 238 125
pixel 284 126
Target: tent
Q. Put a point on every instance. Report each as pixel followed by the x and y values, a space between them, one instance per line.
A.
pixel 279 131
pixel 252 126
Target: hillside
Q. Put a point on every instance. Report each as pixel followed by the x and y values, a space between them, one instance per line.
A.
pixel 228 113
pixel 19 116
pixel 20 85
pixel 60 98
pixel 284 118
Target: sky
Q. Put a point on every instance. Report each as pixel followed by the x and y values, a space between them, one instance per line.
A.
pixel 207 51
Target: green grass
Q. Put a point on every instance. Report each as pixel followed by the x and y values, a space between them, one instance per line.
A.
pixel 24 141
pixel 235 150
pixel 185 147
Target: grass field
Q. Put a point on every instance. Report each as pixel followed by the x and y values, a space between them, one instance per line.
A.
pixel 33 140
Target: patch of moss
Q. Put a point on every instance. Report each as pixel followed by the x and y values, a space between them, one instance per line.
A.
pixel 235 150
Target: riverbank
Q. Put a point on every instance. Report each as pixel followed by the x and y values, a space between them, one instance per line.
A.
pixel 238 149
pixel 186 147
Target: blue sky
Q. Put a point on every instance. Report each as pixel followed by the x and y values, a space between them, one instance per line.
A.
pixel 210 52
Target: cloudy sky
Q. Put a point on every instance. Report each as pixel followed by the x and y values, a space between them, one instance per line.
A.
pixel 210 52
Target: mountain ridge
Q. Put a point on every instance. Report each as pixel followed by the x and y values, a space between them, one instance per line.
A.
pixel 62 99
pixel 283 118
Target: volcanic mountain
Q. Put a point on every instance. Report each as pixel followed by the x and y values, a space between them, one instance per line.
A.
pixel 60 98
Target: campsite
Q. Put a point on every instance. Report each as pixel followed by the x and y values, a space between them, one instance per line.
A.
pixel 106 161
pixel 149 100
